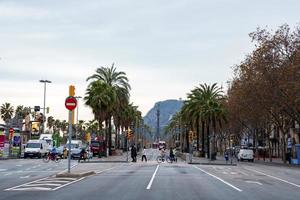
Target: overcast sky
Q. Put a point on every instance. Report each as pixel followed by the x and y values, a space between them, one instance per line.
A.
pixel 165 47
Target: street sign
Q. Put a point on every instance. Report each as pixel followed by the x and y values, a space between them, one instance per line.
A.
pixel 71 103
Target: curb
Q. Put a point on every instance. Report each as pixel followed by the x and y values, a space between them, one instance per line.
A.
pixel 103 161
pixel 75 175
pixel 220 164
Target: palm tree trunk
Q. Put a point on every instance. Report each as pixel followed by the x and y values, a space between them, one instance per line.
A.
pixel 207 140
pixel 187 140
pixel 198 136
pixel 109 135
pixel 203 139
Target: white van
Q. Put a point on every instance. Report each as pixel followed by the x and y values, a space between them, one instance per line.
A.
pixel 48 139
pixel 36 148
pixel 245 154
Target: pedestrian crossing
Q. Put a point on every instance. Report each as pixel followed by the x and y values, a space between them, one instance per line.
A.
pixel 45 184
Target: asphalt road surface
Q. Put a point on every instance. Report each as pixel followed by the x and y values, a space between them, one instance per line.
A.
pixel 159 181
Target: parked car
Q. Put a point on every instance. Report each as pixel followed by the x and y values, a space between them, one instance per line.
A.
pixel 246 154
pixel 75 153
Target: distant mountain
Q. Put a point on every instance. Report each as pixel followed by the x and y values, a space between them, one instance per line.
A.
pixel 167 109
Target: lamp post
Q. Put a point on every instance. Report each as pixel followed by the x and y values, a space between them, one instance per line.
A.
pixel 44 108
pixel 77 97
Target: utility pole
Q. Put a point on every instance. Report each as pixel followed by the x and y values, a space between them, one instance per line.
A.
pixel 44 116
pixel 157 127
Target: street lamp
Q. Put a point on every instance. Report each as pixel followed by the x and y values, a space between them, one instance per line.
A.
pixel 45 82
pixel 77 97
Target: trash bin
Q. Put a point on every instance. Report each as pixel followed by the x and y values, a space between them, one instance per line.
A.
pixel 298 152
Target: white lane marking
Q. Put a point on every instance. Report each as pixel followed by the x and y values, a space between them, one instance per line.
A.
pixel 46 184
pixel 58 178
pixel 53 181
pixel 28 169
pixel 225 173
pixel 153 176
pixel 33 188
pixel 12 188
pixel 256 182
pixel 19 165
pixel 7 174
pixel 253 170
pixel 68 183
pixel 2 170
pixel 233 173
pixel 223 181
pixel 25 176
pixel 49 169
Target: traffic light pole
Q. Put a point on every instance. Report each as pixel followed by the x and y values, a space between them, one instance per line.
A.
pixel 70 137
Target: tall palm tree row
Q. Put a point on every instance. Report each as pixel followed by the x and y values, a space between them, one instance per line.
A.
pixel 203 109
pixel 107 95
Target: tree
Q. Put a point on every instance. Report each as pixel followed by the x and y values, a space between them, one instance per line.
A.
pixel 117 82
pixel 7 112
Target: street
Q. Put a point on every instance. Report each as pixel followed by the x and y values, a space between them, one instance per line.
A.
pixel 149 181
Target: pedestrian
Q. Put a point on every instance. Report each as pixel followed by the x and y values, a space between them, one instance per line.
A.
pixel 172 157
pixel 144 155
pixel 133 153
pixel 226 156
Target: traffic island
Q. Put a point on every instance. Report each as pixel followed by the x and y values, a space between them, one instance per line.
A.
pixel 74 175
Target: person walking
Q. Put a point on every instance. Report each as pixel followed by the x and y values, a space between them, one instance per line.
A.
pixel 144 155
pixel 172 157
pixel 133 153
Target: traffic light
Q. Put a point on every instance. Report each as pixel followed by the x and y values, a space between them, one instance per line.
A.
pixel 37 108
pixel 72 90
pixel 129 134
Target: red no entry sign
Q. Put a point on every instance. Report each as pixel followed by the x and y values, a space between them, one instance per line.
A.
pixel 71 103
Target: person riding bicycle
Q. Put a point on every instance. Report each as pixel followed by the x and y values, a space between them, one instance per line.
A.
pixel 83 153
pixel 163 153
pixel 53 152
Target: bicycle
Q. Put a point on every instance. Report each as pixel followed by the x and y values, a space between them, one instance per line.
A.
pixel 49 156
pixel 161 159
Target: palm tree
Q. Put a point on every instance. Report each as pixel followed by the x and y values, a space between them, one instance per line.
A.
pixel 118 83
pixel 7 112
pixel 56 126
pixel 212 110
pixel 50 122
pixel 101 98
pixel 22 111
